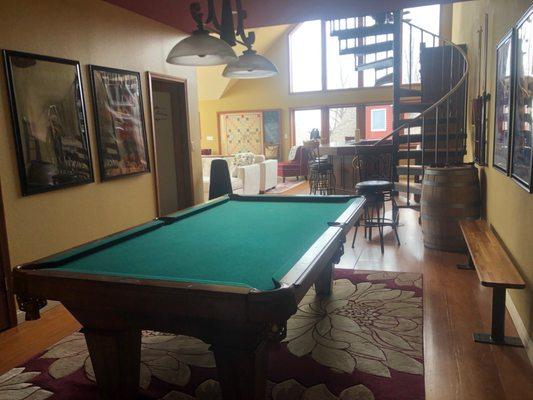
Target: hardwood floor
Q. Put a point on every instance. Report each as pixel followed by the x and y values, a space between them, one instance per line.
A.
pixel 455 306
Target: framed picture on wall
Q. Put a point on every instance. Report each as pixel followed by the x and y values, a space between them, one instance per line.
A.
pixel 49 122
pixel 522 141
pixel 119 120
pixel 503 104
pixel 241 131
pixel 272 133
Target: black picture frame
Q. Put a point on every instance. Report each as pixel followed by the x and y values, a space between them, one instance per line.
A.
pixel 522 140
pixel 119 121
pixel 503 107
pixel 49 121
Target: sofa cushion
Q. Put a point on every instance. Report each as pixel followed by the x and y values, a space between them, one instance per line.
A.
pixel 292 153
pixel 242 159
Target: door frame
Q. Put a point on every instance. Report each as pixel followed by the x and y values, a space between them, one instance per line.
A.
pixel 187 175
pixel 5 270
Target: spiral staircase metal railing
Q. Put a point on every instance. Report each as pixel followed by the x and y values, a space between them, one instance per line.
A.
pixel 436 136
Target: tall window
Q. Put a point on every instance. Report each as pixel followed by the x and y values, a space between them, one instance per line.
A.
pixel 305 49
pixel 304 122
pixel 340 69
pixel 428 18
pixel 307 55
pixel 342 123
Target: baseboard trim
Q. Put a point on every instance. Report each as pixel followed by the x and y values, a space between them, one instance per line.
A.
pixel 21 314
pixel 520 327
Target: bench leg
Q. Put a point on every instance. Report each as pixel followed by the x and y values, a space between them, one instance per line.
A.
pixel 469 264
pixel 497 335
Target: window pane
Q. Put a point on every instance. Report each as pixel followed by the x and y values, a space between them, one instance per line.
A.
pixel 378 121
pixel 342 124
pixel 305 44
pixel 370 76
pixel 304 122
pixel 428 18
pixel 341 72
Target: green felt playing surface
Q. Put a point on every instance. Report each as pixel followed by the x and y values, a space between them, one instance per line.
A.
pixel 235 242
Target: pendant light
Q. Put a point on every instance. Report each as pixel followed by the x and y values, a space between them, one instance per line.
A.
pixel 250 65
pixel 201 48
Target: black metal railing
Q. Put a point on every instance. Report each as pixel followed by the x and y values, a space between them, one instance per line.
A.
pixel 448 104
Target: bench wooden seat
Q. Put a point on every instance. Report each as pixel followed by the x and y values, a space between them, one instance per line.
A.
pixel 494 269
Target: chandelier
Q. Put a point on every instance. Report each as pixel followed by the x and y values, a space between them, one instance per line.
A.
pixel 202 48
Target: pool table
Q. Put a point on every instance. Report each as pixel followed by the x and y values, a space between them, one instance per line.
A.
pixel 230 272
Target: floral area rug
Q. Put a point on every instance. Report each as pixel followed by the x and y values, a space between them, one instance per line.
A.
pixel 364 342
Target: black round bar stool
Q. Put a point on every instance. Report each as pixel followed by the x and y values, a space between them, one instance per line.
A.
pixel 321 175
pixel 373 166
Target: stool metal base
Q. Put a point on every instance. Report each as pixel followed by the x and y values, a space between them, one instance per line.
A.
pixel 469 264
pixel 507 340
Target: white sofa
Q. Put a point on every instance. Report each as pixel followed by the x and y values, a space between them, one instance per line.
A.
pixel 269 175
pixel 246 181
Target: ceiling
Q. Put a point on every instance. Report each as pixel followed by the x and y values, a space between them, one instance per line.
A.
pixel 261 13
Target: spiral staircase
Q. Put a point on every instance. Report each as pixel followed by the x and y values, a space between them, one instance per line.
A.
pixel 429 78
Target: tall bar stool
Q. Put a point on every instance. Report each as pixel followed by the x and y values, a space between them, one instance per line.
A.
pixel 321 175
pixel 220 180
pixel 373 166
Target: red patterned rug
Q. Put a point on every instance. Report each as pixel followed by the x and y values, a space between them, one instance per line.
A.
pixel 363 342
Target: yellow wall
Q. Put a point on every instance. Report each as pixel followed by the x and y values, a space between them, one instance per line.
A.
pixel 259 94
pixel 509 208
pixel 93 32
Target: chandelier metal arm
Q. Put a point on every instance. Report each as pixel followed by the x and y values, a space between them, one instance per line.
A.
pixel 224 28
pixel 197 15
pixel 211 15
pixel 227 28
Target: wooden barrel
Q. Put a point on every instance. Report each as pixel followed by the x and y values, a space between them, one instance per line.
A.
pixel 449 194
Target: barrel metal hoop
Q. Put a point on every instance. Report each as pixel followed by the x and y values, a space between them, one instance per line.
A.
pixel 447 218
pixel 425 182
pixel 451 205
pixel 466 171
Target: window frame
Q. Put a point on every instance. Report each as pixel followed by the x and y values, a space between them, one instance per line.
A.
pixel 324 138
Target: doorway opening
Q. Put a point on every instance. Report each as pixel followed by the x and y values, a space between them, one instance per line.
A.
pixel 172 149
pixel 8 317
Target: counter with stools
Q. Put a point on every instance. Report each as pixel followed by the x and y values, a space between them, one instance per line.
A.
pixel 373 166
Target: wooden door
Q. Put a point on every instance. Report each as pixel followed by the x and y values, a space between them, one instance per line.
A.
pixel 170 129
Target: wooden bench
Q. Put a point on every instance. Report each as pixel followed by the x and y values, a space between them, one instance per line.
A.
pixel 496 270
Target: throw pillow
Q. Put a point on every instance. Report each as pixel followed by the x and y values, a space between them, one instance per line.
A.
pixel 271 150
pixel 240 160
pixel 292 153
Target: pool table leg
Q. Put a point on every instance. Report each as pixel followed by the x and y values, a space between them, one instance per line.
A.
pixel 242 371
pixel 116 359
pixel 324 283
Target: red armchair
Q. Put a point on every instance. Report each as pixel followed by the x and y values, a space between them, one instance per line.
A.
pixel 297 167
